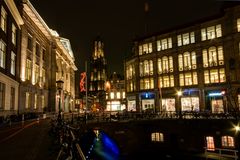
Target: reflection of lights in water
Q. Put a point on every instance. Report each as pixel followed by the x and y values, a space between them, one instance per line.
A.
pixel 104 147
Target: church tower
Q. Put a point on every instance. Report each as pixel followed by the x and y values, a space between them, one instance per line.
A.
pixel 98 73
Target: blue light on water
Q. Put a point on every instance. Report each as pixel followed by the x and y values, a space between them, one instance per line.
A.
pixel 105 147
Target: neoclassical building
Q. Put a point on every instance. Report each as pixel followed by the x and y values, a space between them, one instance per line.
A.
pixel 195 67
pixel 10 25
pixel 45 58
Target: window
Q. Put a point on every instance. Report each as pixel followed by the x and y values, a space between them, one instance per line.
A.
pixel 2 54
pixel 14 34
pixel 211 32
pixel 210 143
pixel 43 101
pixel 188 79
pixel 3 19
pixel 187 61
pixel 146 68
pixel 145 48
pixel 166 81
pixel 165 65
pixel 112 95
pixel 28 100
pixel 146 83
pixel 213 57
pixel 157 137
pixel 164 44
pixel 13 63
pixel 239 101
pixel 43 75
pixel 238 24
pixel 36 73
pixel 43 54
pixel 35 101
pixel 37 49
pixel 29 69
pixel 227 141
pixel 123 95
pixel 2 96
pixel 186 38
pixel 118 95
pixel 12 98
pixel 214 76
pixel 30 43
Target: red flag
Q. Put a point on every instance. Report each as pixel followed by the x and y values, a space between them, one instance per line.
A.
pixel 82 82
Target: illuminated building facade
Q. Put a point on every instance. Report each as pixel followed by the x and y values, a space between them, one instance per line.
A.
pixel 115 93
pixel 190 68
pixel 98 74
pixel 10 25
pixel 45 58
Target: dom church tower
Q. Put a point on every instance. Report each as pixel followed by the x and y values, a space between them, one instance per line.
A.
pixel 98 75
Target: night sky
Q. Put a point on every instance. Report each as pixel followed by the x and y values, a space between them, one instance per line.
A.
pixel 117 22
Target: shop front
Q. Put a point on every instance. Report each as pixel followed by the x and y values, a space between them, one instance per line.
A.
pixel 148 102
pixel 131 103
pixel 215 101
pixel 168 104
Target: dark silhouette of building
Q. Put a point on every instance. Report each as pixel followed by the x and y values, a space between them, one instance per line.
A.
pixel 98 75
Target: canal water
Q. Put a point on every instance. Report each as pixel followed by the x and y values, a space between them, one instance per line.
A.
pixel 97 145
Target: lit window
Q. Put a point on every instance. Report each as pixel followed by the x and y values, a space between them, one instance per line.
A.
pixel 36 73
pixel 187 61
pixel 227 141
pixel 186 38
pixel 2 54
pixel 210 143
pixel 35 101
pixel 203 34
pixel 166 81
pixel 213 56
pixel 141 69
pixel 140 50
pixel 14 34
pixel 29 69
pixel 239 102
pixel 3 19
pixel 214 76
pixel 13 63
pixel 146 67
pixel 164 44
pixel 27 100
pixel 123 95
pixel 118 95
pixel 112 95
pixel 157 137
pixel 211 32
pixel 188 79
pixel 238 24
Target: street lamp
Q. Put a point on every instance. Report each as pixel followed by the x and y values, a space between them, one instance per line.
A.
pixel 59 88
pixel 179 94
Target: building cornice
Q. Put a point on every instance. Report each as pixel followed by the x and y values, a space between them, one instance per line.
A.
pixel 37 19
pixel 14 11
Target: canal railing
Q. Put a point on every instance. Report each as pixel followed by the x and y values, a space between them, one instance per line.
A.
pixel 128 116
pixel 220 153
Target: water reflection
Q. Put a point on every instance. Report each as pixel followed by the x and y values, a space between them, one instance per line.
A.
pixel 97 145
